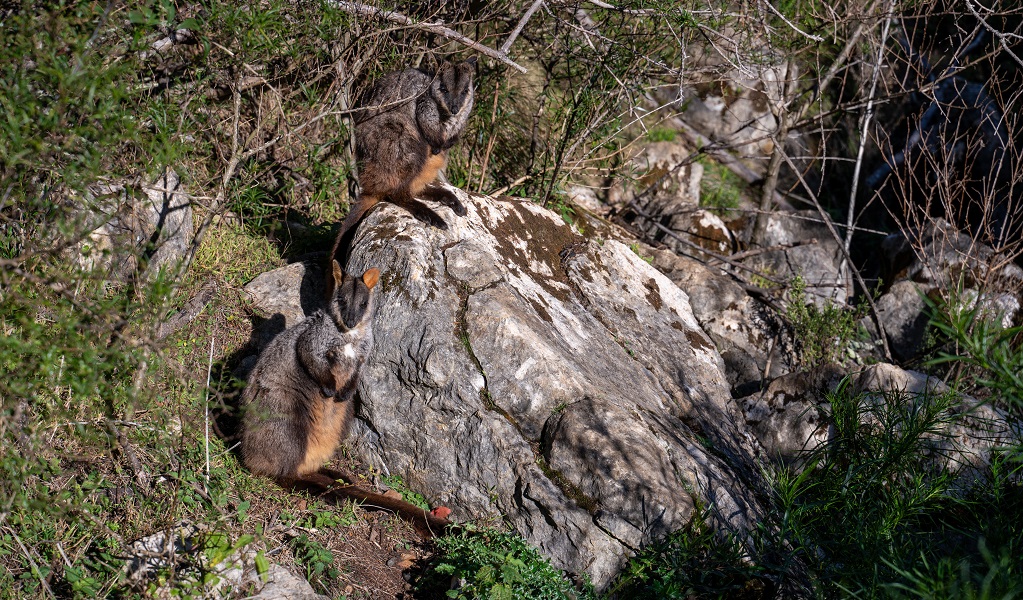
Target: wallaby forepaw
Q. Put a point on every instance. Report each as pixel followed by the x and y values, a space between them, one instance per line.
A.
pixel 458 208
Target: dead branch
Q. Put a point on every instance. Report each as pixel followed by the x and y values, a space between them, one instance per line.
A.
pixel 518 27
pixel 845 254
pixel 396 17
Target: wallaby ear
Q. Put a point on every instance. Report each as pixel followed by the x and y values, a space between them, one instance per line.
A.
pixel 338 274
pixel 371 277
pixel 430 62
pixel 471 60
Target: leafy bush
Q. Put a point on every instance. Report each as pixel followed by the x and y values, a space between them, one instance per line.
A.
pixel 822 334
pixel 487 563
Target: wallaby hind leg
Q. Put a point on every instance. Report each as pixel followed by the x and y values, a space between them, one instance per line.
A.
pixel 437 193
pixel 419 210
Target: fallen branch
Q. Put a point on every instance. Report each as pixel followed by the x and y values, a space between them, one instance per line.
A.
pixel 356 8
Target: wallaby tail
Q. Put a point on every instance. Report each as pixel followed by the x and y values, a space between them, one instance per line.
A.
pixel 425 523
pixel 341 250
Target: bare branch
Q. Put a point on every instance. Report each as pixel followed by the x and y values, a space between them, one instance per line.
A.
pixel 396 17
pixel 518 28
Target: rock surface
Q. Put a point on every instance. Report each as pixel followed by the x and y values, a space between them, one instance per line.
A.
pixel 141 230
pixel 935 261
pixel 748 335
pixel 804 247
pixel 521 370
pixel 792 415
pixel 183 546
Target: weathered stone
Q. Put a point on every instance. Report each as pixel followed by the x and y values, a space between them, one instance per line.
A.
pixel 793 416
pixel 814 255
pixel 969 440
pixel 565 384
pixel 182 547
pixel 937 254
pixel 935 261
pixel 901 310
pixel 137 234
pixel 735 110
pixel 743 330
pixel 787 417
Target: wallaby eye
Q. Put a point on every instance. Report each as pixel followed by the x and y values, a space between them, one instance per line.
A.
pixel 443 89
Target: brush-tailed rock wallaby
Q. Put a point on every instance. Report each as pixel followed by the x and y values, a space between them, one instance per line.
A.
pixel 299 399
pixel 407 122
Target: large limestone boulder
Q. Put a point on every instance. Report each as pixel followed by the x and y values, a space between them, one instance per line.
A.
pixel 521 370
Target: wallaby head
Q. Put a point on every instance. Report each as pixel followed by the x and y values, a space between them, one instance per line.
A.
pixel 452 87
pixel 352 296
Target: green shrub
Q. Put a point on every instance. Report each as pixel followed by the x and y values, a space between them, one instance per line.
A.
pixel 822 334
pixel 494 564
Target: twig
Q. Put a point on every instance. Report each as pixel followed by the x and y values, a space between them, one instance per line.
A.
pixel 697 247
pixel 31 561
pixel 518 28
pixel 778 14
pixel 780 134
pixel 504 189
pixel 733 164
pixel 845 253
pixel 209 370
pixel 868 114
pixel 757 251
pixel 998 34
pixel 396 17
pixel 628 11
pixel 192 309
pixel 490 142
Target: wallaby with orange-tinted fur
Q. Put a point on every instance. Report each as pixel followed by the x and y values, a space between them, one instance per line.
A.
pixel 299 400
pixel 406 124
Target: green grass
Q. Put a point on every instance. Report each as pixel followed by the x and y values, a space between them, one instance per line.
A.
pixel 721 190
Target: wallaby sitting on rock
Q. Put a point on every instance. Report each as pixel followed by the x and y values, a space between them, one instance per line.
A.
pixel 407 122
pixel 299 400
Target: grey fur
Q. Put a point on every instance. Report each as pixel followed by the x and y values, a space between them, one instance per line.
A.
pixel 306 368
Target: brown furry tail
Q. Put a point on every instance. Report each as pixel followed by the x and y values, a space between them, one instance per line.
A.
pixel 343 242
pixel 325 486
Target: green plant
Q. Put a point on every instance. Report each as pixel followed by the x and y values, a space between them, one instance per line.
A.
pixel 317 561
pixel 661 134
pixel 980 343
pixel 397 484
pixel 694 562
pixel 721 190
pixel 498 565
pixel 822 333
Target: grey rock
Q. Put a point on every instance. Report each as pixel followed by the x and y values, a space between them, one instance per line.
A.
pixel 520 370
pixel 788 418
pixel 182 546
pixel 735 110
pixel 935 261
pixel 743 329
pixel 901 310
pixel 817 259
pixel 136 231
pixel 282 584
pixel 792 416
pixel 966 442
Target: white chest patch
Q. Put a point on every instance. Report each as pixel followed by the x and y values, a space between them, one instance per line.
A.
pixel 349 351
